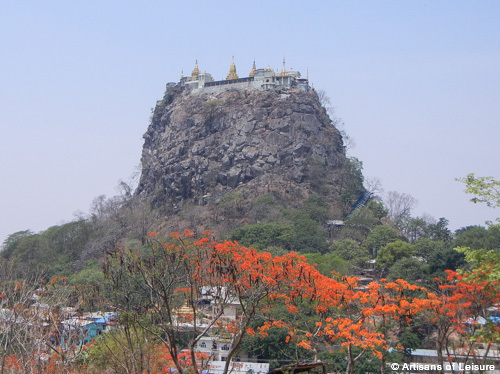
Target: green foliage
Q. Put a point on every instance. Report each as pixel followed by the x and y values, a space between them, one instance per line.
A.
pixel 326 263
pixel 306 236
pixel 485 189
pixel 379 237
pixel 363 217
pixel 316 173
pixel 231 205
pixel 408 268
pixel 444 259
pixel 350 251
pixel 478 237
pixel 264 235
pixel 91 274
pixel 53 251
pixel 347 197
pixel 480 258
pixel 426 247
pixel 210 104
pixel 300 232
pixel 409 340
pixel 276 251
pixel 415 229
pixel 273 348
pixel 126 288
pixel 377 208
pixel 265 208
pixel 439 230
pixel 358 225
pixel 392 252
pixel 264 200
pixel 354 169
pixel 350 182
pixel 66 243
pixel 128 349
pixel 316 207
pixel 337 362
pixel 30 255
pixel 10 244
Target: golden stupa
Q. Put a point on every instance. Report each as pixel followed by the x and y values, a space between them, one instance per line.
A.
pixel 196 72
pixel 232 71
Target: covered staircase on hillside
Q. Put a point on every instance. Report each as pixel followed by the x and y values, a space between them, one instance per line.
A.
pixel 362 200
pixel 336 224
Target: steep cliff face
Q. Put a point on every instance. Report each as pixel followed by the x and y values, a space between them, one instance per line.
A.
pixel 200 147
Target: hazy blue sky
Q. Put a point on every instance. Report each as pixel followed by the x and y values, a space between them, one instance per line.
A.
pixel 417 84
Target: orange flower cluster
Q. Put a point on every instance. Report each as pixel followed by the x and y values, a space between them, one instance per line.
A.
pixel 162 362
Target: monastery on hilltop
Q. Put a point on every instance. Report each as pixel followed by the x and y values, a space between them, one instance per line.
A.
pixel 258 79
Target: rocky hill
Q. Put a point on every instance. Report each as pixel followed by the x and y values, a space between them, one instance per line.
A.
pixel 266 168
pixel 202 150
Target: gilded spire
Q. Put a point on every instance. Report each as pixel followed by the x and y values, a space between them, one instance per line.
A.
pixel 283 71
pixel 182 74
pixel 196 72
pixel 232 71
pixel 253 70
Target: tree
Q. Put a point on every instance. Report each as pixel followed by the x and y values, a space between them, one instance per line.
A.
pixel 368 319
pixel 399 207
pixel 118 217
pixel 459 313
pixel 350 251
pixel 392 252
pixel 485 189
pixel 389 308
pixel 379 237
pixel 463 301
pixel 263 235
pixel 444 259
pixel 354 169
pixel 408 268
pixel 415 228
pixel 30 324
pixel 377 207
pixel 306 235
pixel 328 263
pixel 425 248
pixel 359 224
pixel 172 279
pixel 439 230
pixel 10 244
pixel 316 207
pixel 478 237
pixel 374 186
pixel 53 252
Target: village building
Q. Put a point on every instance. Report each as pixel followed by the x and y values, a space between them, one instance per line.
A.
pixel 81 330
pixel 216 344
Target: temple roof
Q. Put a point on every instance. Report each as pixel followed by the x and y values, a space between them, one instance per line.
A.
pixel 195 72
pixel 252 73
pixel 283 70
pixel 232 71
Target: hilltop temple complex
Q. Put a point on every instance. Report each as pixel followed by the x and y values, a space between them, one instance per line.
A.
pixel 258 79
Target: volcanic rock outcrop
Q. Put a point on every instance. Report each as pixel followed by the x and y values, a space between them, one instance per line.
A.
pixel 200 147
